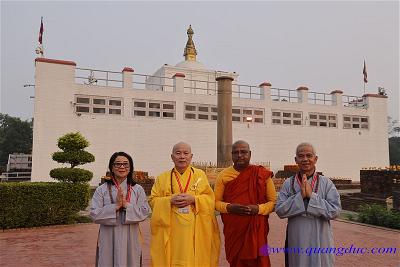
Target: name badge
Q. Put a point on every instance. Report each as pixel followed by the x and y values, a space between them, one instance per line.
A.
pixel 184 210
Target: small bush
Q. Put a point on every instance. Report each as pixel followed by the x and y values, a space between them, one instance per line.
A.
pixel 74 175
pixel 377 215
pixel 39 204
pixel 350 217
pixel 73 145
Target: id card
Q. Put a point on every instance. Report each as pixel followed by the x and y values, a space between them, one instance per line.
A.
pixel 184 210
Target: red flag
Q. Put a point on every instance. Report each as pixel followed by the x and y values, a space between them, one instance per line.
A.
pixel 41 31
pixel 365 73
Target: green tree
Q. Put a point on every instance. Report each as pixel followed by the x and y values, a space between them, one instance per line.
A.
pixel 394 141
pixel 15 137
pixel 73 153
pixel 394 150
pixel 393 127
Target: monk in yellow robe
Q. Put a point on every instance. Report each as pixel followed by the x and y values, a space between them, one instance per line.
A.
pixel 245 195
pixel 184 230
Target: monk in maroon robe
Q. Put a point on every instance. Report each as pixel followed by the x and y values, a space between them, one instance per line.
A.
pixel 245 195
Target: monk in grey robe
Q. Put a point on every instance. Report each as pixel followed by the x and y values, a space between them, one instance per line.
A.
pixel 118 206
pixel 309 201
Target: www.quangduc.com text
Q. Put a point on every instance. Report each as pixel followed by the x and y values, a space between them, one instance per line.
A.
pixel 338 251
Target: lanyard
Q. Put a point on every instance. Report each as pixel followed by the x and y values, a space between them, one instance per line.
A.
pixel 179 182
pixel 314 180
pixel 128 189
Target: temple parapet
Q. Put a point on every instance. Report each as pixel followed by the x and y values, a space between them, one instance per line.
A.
pixel 128 79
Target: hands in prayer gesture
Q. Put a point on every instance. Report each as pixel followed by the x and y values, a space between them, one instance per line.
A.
pixel 182 200
pixel 121 199
pixel 242 209
pixel 306 189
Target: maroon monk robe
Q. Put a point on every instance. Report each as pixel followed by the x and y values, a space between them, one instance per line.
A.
pixel 246 234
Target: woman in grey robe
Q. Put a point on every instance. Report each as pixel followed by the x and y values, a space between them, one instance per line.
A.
pixel 309 201
pixel 118 206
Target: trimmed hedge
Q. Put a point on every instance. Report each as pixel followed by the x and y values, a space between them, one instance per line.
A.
pixel 39 204
pixel 74 175
pixel 378 215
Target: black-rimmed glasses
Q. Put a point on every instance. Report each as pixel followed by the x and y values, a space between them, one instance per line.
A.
pixel 121 164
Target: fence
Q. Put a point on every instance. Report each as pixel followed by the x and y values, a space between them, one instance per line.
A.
pixel 98 77
pixel 319 98
pixel 202 87
pixel 353 101
pixel 284 95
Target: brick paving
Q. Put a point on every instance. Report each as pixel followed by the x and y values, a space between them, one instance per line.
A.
pixel 74 245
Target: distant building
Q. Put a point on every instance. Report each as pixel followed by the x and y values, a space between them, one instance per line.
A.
pixel 19 168
pixel 145 115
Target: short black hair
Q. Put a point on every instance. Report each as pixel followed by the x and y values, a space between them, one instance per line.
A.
pixel 131 169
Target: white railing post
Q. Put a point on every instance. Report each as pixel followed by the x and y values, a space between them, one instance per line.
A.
pixel 337 98
pixel 302 94
pixel 127 78
pixel 265 91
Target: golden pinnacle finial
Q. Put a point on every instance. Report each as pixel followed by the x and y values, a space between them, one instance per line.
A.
pixel 190 50
pixel 190 30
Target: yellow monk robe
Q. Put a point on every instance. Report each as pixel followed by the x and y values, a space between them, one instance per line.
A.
pixel 230 174
pixel 183 239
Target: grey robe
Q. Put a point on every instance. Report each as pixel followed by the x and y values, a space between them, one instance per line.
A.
pixel 118 241
pixel 309 222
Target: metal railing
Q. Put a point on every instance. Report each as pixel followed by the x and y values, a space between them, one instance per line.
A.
pixel 199 87
pixel 211 88
pixel 98 77
pixel 247 91
pixel 284 95
pixel 150 82
pixel 319 98
pixel 15 176
pixel 353 101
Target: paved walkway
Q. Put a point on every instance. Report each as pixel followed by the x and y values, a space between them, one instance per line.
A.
pixel 74 245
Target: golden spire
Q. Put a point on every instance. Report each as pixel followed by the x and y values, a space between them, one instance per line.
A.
pixel 190 50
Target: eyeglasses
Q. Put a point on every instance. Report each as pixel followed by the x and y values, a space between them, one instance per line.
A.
pixel 121 164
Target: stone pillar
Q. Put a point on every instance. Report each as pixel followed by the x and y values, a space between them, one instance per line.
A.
pixel 302 94
pixel 127 78
pixel 337 98
pixel 224 122
pixel 179 83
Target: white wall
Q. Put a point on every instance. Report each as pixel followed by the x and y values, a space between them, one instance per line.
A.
pixel 342 152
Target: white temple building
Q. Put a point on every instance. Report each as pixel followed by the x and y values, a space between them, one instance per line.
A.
pixel 145 115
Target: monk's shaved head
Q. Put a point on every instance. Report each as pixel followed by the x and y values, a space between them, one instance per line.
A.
pixel 181 156
pixel 241 155
pixel 180 145
pixel 240 142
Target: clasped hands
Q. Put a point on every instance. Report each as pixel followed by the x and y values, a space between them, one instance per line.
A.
pixel 121 200
pixel 306 189
pixel 240 209
pixel 182 200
